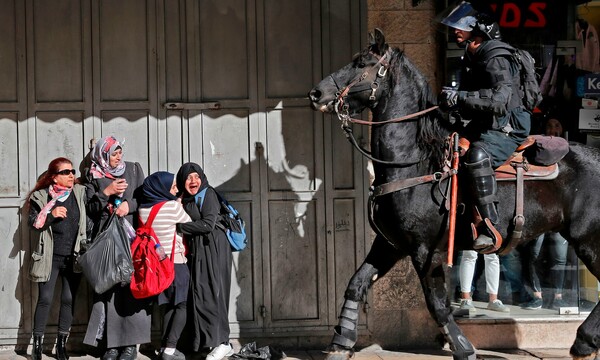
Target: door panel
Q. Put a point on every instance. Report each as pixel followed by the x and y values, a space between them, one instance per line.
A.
pixel 291 150
pixel 226 146
pixel 224 49
pixel 9 151
pixel 8 47
pixel 294 261
pixel 123 47
pixel 57 135
pixel 131 128
pixel 288 47
pixel 58 52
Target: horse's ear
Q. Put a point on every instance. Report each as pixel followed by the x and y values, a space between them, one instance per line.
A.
pixel 380 41
pixel 371 39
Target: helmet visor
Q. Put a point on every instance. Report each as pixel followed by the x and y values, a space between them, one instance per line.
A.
pixel 461 16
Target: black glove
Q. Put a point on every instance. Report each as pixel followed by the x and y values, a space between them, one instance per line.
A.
pixel 448 98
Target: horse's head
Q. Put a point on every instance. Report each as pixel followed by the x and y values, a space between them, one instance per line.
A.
pixel 359 84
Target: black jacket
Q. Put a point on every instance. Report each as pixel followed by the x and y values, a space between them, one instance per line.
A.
pixel 489 91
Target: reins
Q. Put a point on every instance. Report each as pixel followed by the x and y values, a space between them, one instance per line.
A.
pixel 399 119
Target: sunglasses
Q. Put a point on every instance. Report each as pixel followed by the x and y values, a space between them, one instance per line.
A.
pixel 66 172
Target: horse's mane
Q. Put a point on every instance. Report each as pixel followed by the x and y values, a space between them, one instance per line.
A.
pixel 433 129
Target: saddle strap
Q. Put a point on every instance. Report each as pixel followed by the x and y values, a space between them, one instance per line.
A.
pixel 519 219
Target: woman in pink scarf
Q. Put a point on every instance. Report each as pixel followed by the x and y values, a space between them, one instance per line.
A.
pixel 58 217
pixel 118 321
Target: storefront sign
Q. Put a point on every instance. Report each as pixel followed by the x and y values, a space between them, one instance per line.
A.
pixel 589 119
pixel 519 14
pixel 591 84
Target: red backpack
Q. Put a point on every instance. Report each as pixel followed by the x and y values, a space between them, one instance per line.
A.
pixel 151 276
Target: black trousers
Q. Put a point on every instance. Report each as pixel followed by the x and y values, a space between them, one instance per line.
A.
pixel 61 266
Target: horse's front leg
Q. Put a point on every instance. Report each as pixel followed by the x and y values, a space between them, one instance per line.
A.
pixel 432 274
pixel 378 262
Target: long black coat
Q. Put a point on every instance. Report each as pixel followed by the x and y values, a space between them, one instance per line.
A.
pixel 210 261
pixel 127 319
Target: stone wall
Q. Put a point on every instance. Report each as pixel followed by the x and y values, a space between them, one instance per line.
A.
pixel 412 29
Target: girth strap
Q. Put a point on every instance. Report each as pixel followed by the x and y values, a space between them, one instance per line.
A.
pixel 519 219
pixel 402 184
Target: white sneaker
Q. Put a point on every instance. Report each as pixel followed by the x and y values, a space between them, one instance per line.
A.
pixel 220 352
pixel 497 305
pixel 467 304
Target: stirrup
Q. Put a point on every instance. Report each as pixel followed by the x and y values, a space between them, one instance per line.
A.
pixel 491 230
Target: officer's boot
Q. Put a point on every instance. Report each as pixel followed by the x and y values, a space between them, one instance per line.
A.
pixel 61 347
pixel 36 352
pixel 483 184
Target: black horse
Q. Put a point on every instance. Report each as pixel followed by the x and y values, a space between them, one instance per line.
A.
pixel 413 221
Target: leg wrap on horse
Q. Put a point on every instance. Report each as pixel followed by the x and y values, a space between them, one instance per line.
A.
pixel 461 347
pixel 483 184
pixel 345 334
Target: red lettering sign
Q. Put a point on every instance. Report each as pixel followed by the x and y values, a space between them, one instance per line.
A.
pixel 511 15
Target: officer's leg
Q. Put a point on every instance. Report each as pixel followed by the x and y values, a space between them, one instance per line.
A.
pixel 483 183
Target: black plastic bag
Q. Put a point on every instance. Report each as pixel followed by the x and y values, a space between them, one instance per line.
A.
pixel 249 351
pixel 107 261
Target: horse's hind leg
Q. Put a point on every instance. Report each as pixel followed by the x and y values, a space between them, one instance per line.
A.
pixel 433 281
pixel 587 341
pixel 378 262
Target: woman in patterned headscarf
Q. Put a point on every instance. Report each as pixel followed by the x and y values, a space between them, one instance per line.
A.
pixel 113 185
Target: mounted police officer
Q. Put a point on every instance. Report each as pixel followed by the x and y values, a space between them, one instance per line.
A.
pixel 489 96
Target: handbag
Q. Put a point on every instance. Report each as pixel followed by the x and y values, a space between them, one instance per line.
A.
pixel 107 261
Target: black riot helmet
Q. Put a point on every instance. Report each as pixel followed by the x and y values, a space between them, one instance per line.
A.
pixel 462 16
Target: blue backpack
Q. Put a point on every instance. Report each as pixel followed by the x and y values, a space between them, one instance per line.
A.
pixel 230 221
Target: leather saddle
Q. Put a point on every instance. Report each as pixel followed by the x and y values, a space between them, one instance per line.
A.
pixel 508 170
pixel 516 168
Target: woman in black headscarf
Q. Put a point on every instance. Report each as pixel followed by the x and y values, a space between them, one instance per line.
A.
pixel 210 261
pixel 159 196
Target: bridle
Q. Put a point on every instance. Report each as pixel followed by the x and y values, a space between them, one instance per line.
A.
pixel 342 108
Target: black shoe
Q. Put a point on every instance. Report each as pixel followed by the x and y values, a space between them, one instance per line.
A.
pixel 534 304
pixel 128 353
pixel 61 347
pixel 111 354
pixel 36 352
pixel 178 355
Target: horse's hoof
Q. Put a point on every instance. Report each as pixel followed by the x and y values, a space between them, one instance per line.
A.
pixel 340 355
pixel 336 352
pixel 591 356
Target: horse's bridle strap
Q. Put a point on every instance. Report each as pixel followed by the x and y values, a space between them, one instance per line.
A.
pixel 399 119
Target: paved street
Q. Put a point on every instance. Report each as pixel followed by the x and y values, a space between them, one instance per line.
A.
pixel 373 352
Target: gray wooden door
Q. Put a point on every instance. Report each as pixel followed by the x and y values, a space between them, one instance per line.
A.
pixel 222 83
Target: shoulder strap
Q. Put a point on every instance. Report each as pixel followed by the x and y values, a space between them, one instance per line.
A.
pixel 200 197
pixel 152 215
pixel 498 48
